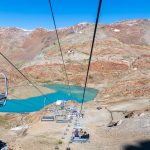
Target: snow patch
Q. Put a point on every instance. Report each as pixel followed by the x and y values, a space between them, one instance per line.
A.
pixel 116 30
pixel 19 128
pixel 142 114
pixel 83 23
pixel 26 30
pixel 65 28
pixel 130 24
pixel 119 122
pixel 135 69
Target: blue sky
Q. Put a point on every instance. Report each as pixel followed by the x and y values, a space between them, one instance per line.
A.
pixel 30 14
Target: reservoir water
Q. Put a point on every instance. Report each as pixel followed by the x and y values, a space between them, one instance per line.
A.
pixel 37 103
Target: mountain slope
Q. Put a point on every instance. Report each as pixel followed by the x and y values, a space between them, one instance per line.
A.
pixel 121 56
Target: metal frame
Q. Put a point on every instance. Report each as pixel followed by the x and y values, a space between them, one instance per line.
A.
pixel 3 96
pixel 79 140
pixel 62 120
pixel 48 118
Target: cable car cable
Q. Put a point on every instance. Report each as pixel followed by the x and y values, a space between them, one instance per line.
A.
pixel 56 31
pixel 24 76
pixel 91 52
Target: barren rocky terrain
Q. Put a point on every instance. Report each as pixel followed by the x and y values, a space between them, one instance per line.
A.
pixel 121 57
pixel 120 70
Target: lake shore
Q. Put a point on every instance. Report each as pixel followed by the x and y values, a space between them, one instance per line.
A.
pixel 24 92
pixel 25 99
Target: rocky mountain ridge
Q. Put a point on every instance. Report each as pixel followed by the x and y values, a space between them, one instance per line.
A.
pixel 121 56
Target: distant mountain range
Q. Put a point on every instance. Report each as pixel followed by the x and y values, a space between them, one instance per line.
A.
pixel 120 64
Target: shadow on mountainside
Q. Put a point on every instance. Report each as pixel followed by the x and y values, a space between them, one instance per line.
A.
pixel 142 145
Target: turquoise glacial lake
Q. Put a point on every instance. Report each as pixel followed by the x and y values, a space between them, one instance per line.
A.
pixel 33 104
